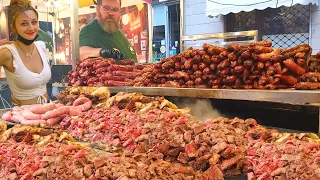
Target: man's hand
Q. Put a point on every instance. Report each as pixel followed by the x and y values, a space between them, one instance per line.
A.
pixel 113 53
pixel 4 42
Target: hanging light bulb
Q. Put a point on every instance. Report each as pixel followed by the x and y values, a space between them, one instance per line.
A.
pixel 47 3
pixel 56 3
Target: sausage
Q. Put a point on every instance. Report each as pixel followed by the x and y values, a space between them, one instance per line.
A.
pixel 307 86
pixel 17 118
pixel 126 62
pixel 198 81
pixel 264 43
pixel 216 82
pixel 262 49
pixel 212 50
pixel 213 66
pixel 202 66
pixel 206 71
pixel 239 69
pixel 234 47
pixel 206 59
pixel 262 80
pixel 28 115
pixel 248 63
pixel 311 76
pixel 17 108
pixel 232 56
pixel 195 67
pixel 292 66
pixel 233 64
pixel 301 62
pixel 7 116
pixel 224 55
pixel 289 80
pixel 201 52
pixel 75 111
pixel 55 113
pixel 215 60
pixel 188 64
pixel 245 73
pixel 300 55
pixel 260 65
pixel 246 54
pixel 116 83
pixel 224 64
pixel 172 84
pixel 231 79
pixel 197 58
pixel 190 83
pixel 82 103
pixel 201 86
pixel 318 55
pixel 276 58
pixel 53 121
pixel 42 108
pixel 267 56
pixel 114 67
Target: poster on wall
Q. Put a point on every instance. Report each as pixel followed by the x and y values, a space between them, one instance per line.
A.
pixel 133 24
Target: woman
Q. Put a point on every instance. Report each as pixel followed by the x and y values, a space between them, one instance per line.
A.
pixel 25 61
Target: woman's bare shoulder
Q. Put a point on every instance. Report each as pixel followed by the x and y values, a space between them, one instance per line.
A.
pixel 5 56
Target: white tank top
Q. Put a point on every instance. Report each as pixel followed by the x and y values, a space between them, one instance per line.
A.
pixel 24 84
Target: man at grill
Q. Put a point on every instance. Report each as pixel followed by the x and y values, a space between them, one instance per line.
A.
pixel 102 37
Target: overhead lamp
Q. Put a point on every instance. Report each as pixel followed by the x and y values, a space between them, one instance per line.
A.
pixel 47 4
pixel 56 3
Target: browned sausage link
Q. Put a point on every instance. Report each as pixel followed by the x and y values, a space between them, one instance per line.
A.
pixel 277 68
pixel 276 58
pixel 289 80
pixel 246 54
pixel 177 65
pixel 301 62
pixel 189 72
pixel 238 84
pixel 167 64
pixel 216 82
pixel 261 49
pixel 284 71
pixel 300 55
pixel 213 66
pixel 188 64
pixel 311 76
pixel 201 52
pixel 248 63
pixel 276 81
pixel 260 65
pixel 295 50
pixel 224 72
pixel 239 69
pixel 262 43
pixel 224 64
pixel 231 79
pixel 262 80
pixel 195 67
pixel 198 73
pixel 212 50
pixel 292 66
pixel 318 55
pixel 215 87
pixel 197 58
pixel 202 66
pixel 267 56
pixel 198 81
pixel 233 64
pixel 215 60
pixel 201 86
pixel 207 71
pixel 232 56
pixel 245 73
pixel 205 46
pixel 234 47
pixel 307 86
pixel 223 54
pixel 206 59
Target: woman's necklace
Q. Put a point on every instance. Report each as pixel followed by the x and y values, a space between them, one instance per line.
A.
pixel 26 54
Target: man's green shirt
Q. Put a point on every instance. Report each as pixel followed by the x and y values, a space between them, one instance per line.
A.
pixel 92 35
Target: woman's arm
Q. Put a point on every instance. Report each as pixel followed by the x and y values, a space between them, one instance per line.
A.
pixel 6 58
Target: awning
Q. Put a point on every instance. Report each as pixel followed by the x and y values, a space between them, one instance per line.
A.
pixel 124 3
pixel 216 7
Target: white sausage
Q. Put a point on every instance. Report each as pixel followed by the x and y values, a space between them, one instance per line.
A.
pixel 43 108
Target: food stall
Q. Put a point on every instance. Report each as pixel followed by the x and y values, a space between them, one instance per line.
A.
pixel 121 132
